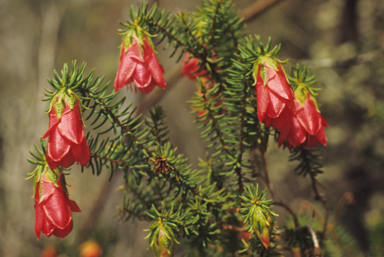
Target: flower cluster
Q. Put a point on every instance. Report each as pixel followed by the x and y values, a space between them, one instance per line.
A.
pixel 294 113
pixel 66 144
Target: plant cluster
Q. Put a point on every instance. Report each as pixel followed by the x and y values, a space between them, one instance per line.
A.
pixel 244 97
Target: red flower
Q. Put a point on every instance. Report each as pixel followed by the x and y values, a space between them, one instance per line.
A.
pixel 138 64
pixel 66 143
pixel 190 66
pixel 53 207
pixel 306 127
pixel 274 96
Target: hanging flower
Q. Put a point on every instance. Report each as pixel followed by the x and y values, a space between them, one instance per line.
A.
pixel 306 127
pixel 53 207
pixel 190 67
pixel 67 142
pixel 138 64
pixel 274 95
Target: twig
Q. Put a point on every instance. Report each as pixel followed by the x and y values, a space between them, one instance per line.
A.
pixel 94 214
pixel 288 209
pixel 257 8
pixel 348 197
pixel 323 199
pixel 266 176
pixel 314 238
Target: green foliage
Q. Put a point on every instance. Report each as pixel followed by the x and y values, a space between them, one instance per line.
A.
pixel 309 161
pixel 215 202
pixel 376 237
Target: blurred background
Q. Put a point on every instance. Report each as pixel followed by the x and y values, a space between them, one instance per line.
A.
pixel 342 42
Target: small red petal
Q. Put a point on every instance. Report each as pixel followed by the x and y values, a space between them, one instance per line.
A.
pixel 324 121
pixel 85 153
pixel 71 125
pixel 81 152
pixel 126 68
pixel 277 82
pixel 297 134
pixel 58 147
pixel 262 98
pixel 73 205
pixel 149 88
pixel 190 67
pixel 311 141
pixel 284 133
pixel 276 105
pixel 142 77
pixel 63 232
pixel 57 209
pixel 39 219
pixel 309 117
pixel 153 65
pixel 53 121
pixel 47 189
pixel 321 137
pixel 47 228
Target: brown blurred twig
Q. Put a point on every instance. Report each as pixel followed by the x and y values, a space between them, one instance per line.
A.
pixel 257 8
pixel 355 60
pixel 319 196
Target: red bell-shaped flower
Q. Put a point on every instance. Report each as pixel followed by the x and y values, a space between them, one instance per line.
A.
pixel 307 126
pixel 138 64
pixel 53 207
pixel 274 95
pixel 190 67
pixel 67 142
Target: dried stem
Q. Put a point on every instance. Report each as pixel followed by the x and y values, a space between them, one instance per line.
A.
pixel 323 199
pixel 266 176
pixel 347 198
pixel 288 209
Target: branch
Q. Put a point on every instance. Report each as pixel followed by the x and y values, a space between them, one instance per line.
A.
pixel 266 176
pixel 94 214
pixel 323 199
pixel 257 8
pixel 288 209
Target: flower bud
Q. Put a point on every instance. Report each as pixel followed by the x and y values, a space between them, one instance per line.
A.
pixel 263 225
pixel 90 249
pixel 164 243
